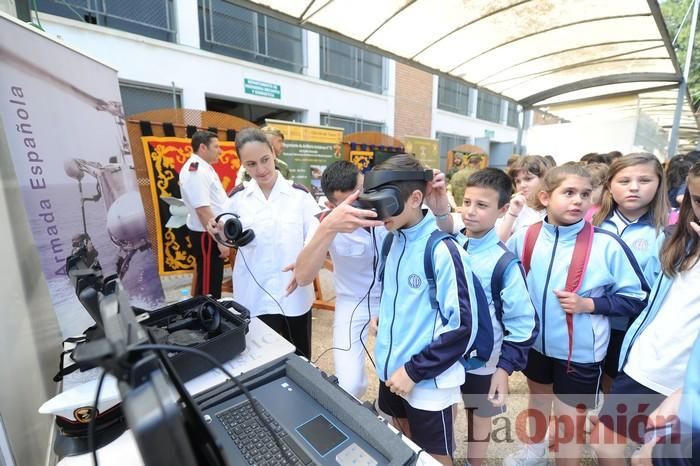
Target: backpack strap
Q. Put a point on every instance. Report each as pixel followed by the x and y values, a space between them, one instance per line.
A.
pixel 577 269
pixel 499 271
pixel 386 246
pixel 435 238
pixel 533 231
pixel 579 260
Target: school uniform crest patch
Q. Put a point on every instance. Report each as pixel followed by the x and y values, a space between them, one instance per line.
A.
pixel 194 166
pixel 640 244
pixel 414 281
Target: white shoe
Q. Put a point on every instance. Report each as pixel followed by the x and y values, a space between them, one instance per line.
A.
pixel 528 455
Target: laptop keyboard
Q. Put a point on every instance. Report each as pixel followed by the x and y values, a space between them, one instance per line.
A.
pixel 254 440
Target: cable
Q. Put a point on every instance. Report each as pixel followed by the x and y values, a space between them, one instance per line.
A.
pixel 375 264
pixel 218 365
pixel 284 316
pixel 352 314
pixel 92 445
pixel 239 249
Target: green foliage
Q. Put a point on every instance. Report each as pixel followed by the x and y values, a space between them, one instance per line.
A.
pixel 674 11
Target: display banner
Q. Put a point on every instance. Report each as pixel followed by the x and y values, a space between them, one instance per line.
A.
pixel 308 150
pixel 63 120
pixel 426 150
pixel 165 156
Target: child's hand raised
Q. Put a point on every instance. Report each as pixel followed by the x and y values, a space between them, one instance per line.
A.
pixel 517 202
pixel 436 194
pixel 573 303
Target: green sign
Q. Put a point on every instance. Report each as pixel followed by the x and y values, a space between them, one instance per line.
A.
pixel 262 89
pixel 489 133
pixel 308 150
pixel 308 160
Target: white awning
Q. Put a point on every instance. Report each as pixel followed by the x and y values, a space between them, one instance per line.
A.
pixel 536 52
pixel 658 106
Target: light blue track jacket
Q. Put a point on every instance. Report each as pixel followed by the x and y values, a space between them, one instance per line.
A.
pixel 613 280
pixel 519 317
pixel 427 343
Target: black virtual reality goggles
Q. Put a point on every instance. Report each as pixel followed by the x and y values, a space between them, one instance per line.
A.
pixel 382 195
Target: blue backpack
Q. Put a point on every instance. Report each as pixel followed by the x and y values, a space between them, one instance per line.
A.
pixel 480 350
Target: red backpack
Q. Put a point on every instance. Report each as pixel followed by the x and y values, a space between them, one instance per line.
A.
pixel 577 269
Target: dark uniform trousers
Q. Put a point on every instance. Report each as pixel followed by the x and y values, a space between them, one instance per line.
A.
pixel 210 267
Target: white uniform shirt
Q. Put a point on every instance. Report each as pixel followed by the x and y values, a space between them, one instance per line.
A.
pixel 528 216
pixel 201 187
pixel 353 255
pixel 659 357
pixel 281 224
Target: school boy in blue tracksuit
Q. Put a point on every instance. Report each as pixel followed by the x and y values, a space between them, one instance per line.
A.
pixel 418 350
pixel 612 284
pixel 515 326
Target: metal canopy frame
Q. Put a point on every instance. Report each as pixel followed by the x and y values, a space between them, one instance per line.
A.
pixel 527 72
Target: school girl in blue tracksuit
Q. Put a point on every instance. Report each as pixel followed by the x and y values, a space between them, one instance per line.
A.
pixel 635 207
pixel 612 284
pixel 657 346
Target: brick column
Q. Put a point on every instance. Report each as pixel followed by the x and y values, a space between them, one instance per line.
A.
pixel 413 104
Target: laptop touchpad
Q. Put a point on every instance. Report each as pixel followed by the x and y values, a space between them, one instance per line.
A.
pixel 321 434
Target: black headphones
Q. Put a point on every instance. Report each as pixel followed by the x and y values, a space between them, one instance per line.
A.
pixel 209 317
pixel 206 316
pixel 236 236
pixel 384 197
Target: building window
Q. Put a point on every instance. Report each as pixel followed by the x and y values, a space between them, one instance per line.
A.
pixel 351 125
pixel 513 115
pixel 488 107
pixel 448 142
pixel 150 18
pixel 240 33
pixel 453 96
pixel 137 98
pixel 346 64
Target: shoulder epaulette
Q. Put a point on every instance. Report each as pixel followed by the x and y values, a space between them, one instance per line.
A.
pixel 300 187
pixel 236 189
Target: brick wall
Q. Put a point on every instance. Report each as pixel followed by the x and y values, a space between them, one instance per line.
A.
pixel 414 99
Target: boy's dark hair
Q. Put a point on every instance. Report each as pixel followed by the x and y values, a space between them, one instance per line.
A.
pixel 247 135
pixel 202 137
pixel 341 176
pixel 594 157
pixel 404 162
pixel 495 179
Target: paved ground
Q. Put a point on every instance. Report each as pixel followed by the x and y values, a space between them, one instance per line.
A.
pixel 322 340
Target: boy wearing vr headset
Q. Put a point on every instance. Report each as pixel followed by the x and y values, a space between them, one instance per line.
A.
pixel 419 348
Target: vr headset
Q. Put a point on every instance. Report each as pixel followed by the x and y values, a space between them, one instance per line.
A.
pixel 382 195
